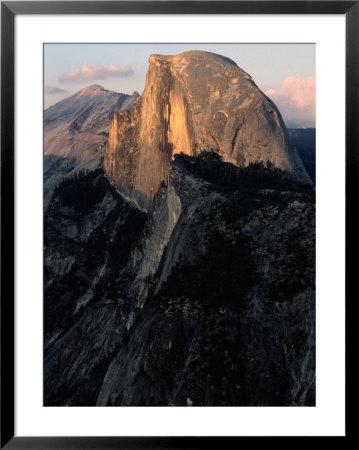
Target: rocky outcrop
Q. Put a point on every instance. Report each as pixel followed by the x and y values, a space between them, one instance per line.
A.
pixel 195 101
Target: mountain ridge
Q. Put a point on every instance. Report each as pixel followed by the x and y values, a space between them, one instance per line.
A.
pixel 76 126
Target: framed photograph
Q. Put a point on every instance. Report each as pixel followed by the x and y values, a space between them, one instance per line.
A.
pixel 175 237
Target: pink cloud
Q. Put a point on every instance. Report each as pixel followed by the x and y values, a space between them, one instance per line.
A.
pixel 92 73
pixel 295 99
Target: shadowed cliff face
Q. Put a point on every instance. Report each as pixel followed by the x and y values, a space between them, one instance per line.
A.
pixel 192 102
pixel 209 300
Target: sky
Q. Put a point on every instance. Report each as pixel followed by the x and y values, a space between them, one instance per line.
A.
pixel 284 72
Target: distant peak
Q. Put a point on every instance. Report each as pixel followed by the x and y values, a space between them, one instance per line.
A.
pixel 93 89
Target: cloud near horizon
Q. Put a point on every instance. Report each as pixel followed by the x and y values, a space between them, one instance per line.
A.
pixel 92 73
pixel 295 99
pixel 53 90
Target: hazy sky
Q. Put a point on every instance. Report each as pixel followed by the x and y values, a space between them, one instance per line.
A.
pixel 285 72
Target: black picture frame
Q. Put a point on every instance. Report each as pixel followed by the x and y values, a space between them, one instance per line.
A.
pixel 8 12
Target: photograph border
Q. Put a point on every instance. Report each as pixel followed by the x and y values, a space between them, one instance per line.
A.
pixel 8 12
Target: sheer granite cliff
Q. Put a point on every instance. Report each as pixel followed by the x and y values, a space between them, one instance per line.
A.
pixel 192 102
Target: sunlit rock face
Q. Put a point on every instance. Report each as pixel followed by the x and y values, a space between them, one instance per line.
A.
pixel 195 101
